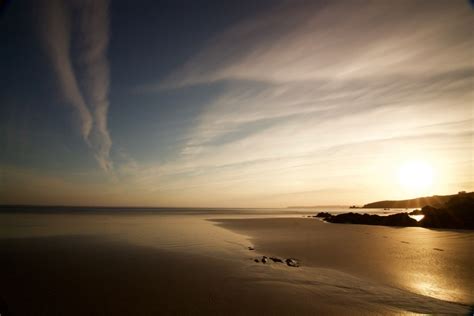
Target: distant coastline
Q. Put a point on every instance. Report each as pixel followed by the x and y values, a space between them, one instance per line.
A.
pixel 434 201
pixel 319 206
pixel 419 202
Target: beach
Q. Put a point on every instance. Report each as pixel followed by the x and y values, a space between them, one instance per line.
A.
pixel 409 265
pixel 148 263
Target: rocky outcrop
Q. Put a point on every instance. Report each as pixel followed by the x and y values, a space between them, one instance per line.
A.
pixel 400 219
pixel 323 215
pixel 457 213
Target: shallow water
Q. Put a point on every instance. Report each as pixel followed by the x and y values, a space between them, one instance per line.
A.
pixel 166 228
pixel 413 269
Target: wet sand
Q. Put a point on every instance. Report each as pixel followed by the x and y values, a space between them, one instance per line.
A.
pixel 414 269
pixel 89 276
pixel 138 264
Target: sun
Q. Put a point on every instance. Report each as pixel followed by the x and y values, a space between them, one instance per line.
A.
pixel 416 176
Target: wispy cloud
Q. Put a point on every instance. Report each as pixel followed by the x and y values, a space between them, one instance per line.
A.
pixel 56 31
pixel 317 94
pixel 306 40
pixel 86 67
pixel 307 74
pixel 302 115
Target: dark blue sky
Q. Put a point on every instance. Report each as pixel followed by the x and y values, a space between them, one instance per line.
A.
pixel 148 40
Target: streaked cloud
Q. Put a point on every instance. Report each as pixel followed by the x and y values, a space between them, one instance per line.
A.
pixel 305 40
pixel 83 74
pixel 319 93
pixel 56 31
pixel 311 104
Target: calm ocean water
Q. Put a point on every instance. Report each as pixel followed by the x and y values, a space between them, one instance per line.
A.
pixel 197 211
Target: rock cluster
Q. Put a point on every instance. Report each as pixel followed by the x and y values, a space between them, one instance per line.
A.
pixel 291 262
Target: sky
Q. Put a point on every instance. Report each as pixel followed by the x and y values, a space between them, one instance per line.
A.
pixel 234 103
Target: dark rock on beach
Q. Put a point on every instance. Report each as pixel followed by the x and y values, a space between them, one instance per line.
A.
pixel 400 219
pixel 323 215
pixel 276 259
pixel 292 262
pixel 416 212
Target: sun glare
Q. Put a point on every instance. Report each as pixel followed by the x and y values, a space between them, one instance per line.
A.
pixel 416 176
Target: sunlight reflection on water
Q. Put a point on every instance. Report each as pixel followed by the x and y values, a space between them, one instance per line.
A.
pixel 417 217
pixel 432 288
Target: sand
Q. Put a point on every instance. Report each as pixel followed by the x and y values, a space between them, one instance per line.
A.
pixel 88 276
pixel 142 264
pixel 415 269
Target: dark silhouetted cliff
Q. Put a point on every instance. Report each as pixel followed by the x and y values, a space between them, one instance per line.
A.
pixel 458 212
pixel 434 201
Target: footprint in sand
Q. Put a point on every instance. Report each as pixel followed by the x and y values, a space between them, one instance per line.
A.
pixel 438 249
pixel 405 242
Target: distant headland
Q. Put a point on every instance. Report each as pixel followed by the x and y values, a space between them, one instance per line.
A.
pixel 434 201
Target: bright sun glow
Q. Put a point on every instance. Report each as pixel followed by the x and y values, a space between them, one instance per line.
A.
pixel 416 176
